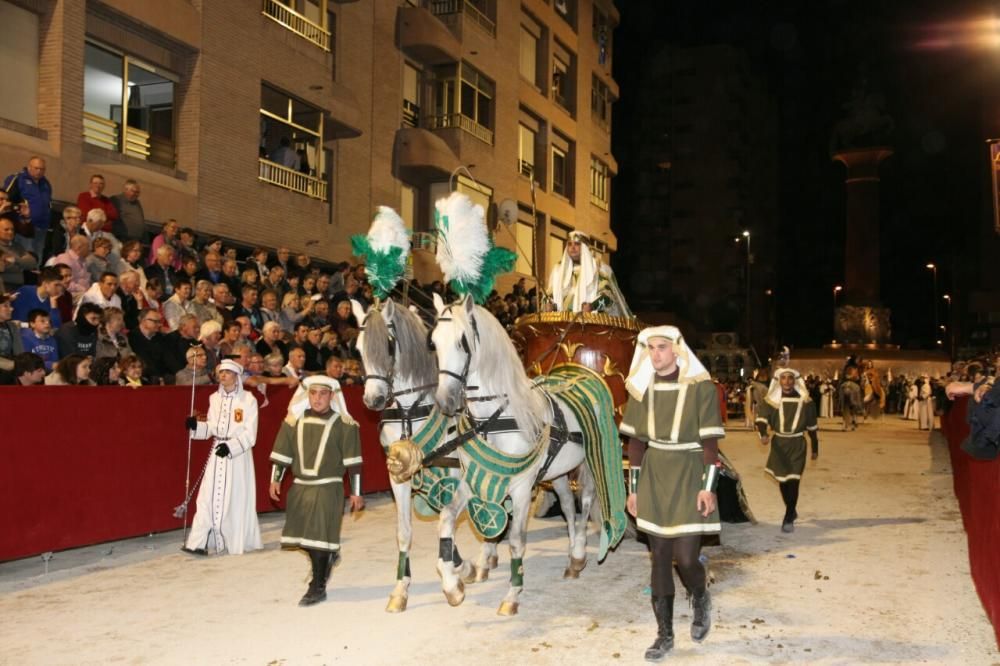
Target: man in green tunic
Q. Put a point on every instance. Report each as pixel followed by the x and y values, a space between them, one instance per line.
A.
pixel 790 414
pixel 674 425
pixel 319 447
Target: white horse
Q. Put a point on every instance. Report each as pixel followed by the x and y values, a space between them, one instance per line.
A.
pixel 400 382
pixel 481 376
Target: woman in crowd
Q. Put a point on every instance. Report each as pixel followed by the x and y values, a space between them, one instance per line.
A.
pixel 106 372
pixel 131 258
pixel 195 370
pixel 270 340
pixel 74 370
pixel 294 309
pixel 111 342
pixel 131 371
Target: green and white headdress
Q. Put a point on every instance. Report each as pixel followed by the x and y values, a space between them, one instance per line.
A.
pixel 465 251
pixel 385 249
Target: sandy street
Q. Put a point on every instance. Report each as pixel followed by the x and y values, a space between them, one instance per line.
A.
pixel 876 572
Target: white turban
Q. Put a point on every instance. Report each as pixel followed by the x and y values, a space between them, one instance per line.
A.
pixel 641 372
pixel 300 401
pixel 774 390
pixel 561 281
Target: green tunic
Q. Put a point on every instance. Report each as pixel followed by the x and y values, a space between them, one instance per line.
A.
pixel 319 448
pixel 789 423
pixel 673 419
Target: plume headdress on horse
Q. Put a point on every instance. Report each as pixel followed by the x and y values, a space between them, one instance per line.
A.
pixel 465 252
pixel 385 249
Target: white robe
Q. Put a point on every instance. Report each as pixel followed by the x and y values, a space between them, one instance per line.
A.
pixel 826 400
pixel 910 408
pixel 226 509
pixel 925 408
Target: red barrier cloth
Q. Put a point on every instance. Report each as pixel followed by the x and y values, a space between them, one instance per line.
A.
pixel 977 487
pixel 83 465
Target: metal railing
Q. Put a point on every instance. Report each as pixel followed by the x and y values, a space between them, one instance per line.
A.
pixel 444 8
pixel 411 114
pixel 100 131
pixel 136 143
pixel 464 123
pixel 525 168
pixel 599 202
pixel 297 23
pixel 290 179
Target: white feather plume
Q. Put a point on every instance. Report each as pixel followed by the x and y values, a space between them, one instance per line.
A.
pixel 463 239
pixel 387 231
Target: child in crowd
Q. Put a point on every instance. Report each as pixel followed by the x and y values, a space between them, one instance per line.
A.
pixel 38 339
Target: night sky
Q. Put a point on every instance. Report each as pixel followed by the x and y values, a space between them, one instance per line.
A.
pixel 935 75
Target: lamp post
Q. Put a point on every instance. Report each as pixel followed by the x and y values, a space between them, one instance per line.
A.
pixel 937 324
pixel 947 318
pixel 746 235
pixel 836 292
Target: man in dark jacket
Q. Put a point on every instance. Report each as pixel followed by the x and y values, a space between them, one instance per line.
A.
pixel 31 185
pixel 10 335
pixel 147 343
pixel 176 343
pixel 80 336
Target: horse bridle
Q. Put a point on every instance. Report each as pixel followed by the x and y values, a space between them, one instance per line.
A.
pixel 462 377
pixel 389 378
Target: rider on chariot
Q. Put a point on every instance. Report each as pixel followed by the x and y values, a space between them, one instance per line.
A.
pixel 581 283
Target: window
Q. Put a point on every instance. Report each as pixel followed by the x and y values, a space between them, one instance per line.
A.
pixel 411 95
pixel 113 82
pixel 563 75
pixel 600 183
pixel 601 30
pixel 531 36
pixel 525 151
pixel 471 110
pixel 566 9
pixel 19 53
pixel 479 193
pixel 306 18
pixel 600 102
pixel 562 166
pixel 291 144
pixel 556 243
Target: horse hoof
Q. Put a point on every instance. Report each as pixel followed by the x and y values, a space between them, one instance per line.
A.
pixel 507 608
pixel 456 596
pixel 492 561
pixel 471 577
pixel 396 604
pixel 575 567
pixel 482 575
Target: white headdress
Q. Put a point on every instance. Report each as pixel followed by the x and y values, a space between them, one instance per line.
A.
pixel 234 367
pixel 561 280
pixel 774 390
pixel 641 372
pixel 300 401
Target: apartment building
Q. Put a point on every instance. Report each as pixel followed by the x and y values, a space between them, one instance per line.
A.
pixel 288 121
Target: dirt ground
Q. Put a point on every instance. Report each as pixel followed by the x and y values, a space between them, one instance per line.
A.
pixel 876 572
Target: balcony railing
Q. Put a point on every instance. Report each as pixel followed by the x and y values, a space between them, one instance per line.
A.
pixel 297 23
pixel 138 143
pixel 447 8
pixel 100 131
pixel 599 202
pixel 290 179
pixel 525 168
pixel 411 114
pixel 464 123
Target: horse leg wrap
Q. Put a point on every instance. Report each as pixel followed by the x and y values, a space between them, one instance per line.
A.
pixel 403 568
pixel 517 572
pixel 446 549
pixel 456 559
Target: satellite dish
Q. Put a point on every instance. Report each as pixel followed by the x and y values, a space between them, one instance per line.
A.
pixel 507 211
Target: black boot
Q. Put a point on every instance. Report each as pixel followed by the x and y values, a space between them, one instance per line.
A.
pixel 322 562
pixel 701 601
pixel 663 609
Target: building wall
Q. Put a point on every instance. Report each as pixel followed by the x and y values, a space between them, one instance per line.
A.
pixel 221 52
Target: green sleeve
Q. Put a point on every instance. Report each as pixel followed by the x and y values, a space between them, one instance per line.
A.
pixel 283 452
pixel 351 440
pixel 709 415
pixel 809 417
pixel 635 412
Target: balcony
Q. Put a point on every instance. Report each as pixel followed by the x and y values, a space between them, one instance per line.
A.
pixel 422 156
pixel 425 38
pixel 452 11
pixel 599 202
pixel 297 23
pixel 411 114
pixel 464 123
pixel 139 144
pixel 290 179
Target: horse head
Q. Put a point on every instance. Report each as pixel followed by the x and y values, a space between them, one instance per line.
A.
pixel 377 344
pixel 455 351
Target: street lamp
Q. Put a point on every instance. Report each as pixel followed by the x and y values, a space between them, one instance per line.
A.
pixel 746 235
pixel 836 291
pixel 933 269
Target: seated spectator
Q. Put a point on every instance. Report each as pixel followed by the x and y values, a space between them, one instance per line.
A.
pixel 153 295
pixel 65 302
pixel 269 306
pixel 345 323
pixel 291 312
pixel 71 225
pixel 300 334
pixel 247 332
pixel 131 258
pixel 194 372
pixel 231 276
pixel 14 258
pixel 249 276
pixel 29 370
pixel 176 344
pixel 166 238
pixel 179 304
pixel 201 303
pixel 303 262
pixel 323 287
pixel 283 258
pixel 43 296
pixel 258 261
pixel 292 280
pixel 38 340
pixel 10 335
pixel 93 228
pixel 275 281
pixel 335 367
pixel 111 341
pixel 333 345
pixel 221 300
pixel 185 247
pixel 314 351
pixel 75 259
pixel 131 223
pixel 212 271
pixel 296 364
pixel 131 371
pixel 131 296
pixel 162 269
pixel 270 340
pixel 189 269
pixel 73 370
pixel 104 292
pixel 273 365
pixel 105 372
pixel 320 316
pixel 80 335
pixel 210 335
pixel 352 373
pixel 147 343
pixel 231 334
pixel 94 199
pixel 308 286
pixel 242 351
pixel 247 307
